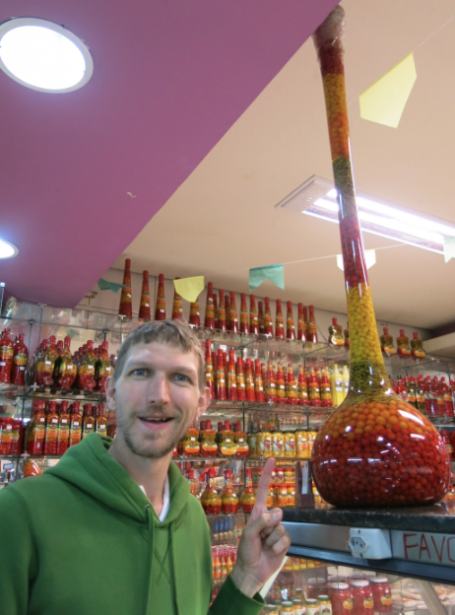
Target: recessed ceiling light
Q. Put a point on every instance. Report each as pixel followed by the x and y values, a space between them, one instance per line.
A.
pixel 317 197
pixel 7 249
pixel 44 56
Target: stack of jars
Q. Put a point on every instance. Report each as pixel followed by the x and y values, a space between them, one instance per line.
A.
pixel 360 594
pixel 265 439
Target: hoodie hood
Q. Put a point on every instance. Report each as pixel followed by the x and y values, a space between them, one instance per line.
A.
pixel 90 468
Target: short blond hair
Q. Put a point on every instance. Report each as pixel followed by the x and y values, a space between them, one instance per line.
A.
pixel 173 332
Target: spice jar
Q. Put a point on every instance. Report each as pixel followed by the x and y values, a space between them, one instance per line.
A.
pixel 301 444
pixel 287 608
pixel 362 597
pixel 311 606
pixel 210 499
pixel 382 595
pixel 340 598
pixel 272 609
pixel 299 606
pixel 278 444
pixel 289 444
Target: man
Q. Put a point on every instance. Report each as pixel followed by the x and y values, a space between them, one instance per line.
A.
pixel 112 529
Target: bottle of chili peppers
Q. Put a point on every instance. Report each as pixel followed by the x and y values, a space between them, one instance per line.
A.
pixel 86 369
pixel 387 347
pixel 301 324
pixel 279 328
pixel 291 386
pixel 177 311
pixel 268 325
pixel 248 497
pixel 88 421
pixel 6 356
pixel 244 324
pixel 232 378
pixel 37 430
pixel 229 499
pixel 222 324
pixel 335 334
pixel 233 319
pixel 19 365
pixel 209 320
pixel 290 327
pixel 240 378
pixel 417 350
pixel 76 424
pixel 312 330
pixel 63 429
pixel 254 321
pixel 51 438
pixel 210 499
pixel 101 421
pixel 126 307
pixel 404 350
pixel 261 318
pixel 249 381
pixel 103 367
pixel 220 377
pixel 195 318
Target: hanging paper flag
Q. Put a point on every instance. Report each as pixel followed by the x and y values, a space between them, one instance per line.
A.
pixel 385 100
pixel 449 248
pixel 273 273
pixel 113 286
pixel 370 258
pixel 190 288
pixel 71 333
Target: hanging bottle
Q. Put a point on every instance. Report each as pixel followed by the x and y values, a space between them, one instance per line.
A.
pixel 241 389
pixel 144 306
pixel 336 337
pixel 195 318
pixel 244 324
pixel 209 320
pixel 6 356
pixel 103 367
pixel 258 384
pixel 229 500
pixel 126 307
pixel 279 328
pixel 160 309
pixel 403 348
pixel 209 379
pixel 345 443
pixel 222 324
pixel 249 381
pixel 387 347
pixel 232 378
pixel 268 324
pixel 19 364
pixel 177 311
pixel 312 330
pixel 290 327
pixel 233 318
pixel 254 322
pixel 291 387
pixel 261 318
pixel 301 324
pixel 220 377
pixel 417 350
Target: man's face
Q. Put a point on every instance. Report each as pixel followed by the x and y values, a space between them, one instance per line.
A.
pixel 156 398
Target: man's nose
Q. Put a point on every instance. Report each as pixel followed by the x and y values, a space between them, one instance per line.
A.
pixel 158 390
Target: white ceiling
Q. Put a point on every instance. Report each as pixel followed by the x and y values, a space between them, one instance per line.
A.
pixel 223 221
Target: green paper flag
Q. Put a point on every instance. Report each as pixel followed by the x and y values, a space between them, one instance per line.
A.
pixel 190 288
pixel 449 248
pixel 113 286
pixel 273 273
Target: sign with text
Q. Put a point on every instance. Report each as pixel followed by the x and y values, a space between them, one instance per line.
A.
pixel 424 547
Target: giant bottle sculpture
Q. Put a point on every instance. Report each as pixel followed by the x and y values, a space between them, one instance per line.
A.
pixel 375 449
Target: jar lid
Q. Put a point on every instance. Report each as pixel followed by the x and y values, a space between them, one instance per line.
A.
pixel 340 586
pixel 378 580
pixel 271 607
pixel 297 601
pixel 323 597
pixel 311 601
pixel 360 583
pixel 287 603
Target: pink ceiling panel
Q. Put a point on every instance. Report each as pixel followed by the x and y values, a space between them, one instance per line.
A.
pixel 170 78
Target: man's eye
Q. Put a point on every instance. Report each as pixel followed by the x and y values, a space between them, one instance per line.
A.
pixel 181 378
pixel 139 372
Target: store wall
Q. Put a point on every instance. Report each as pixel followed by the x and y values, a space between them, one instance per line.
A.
pixel 107 301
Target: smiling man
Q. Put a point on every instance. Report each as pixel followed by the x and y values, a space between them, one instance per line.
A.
pixel 112 529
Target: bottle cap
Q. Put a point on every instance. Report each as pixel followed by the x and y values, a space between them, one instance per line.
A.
pixel 340 586
pixel 378 579
pixel 359 583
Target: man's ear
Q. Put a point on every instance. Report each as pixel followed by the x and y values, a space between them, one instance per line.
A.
pixel 111 394
pixel 205 397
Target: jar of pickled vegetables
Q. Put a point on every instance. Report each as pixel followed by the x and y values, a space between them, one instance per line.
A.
pixel 325 606
pixel 299 606
pixel 362 597
pixel 382 594
pixel 301 444
pixel 287 608
pixel 341 599
pixel 311 606
pixel 272 609
pixel 375 450
pixel 264 444
pixel 278 444
pixel 289 444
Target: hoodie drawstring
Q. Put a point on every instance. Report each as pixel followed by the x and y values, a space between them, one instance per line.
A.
pixel 148 588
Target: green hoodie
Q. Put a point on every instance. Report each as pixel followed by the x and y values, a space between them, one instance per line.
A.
pixel 83 539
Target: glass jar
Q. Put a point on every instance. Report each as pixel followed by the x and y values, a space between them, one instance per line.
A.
pixel 299 606
pixel 362 597
pixel 340 598
pixel 289 444
pixel 287 608
pixel 325 606
pixel 282 496
pixel 382 594
pixel 278 444
pixel 375 449
pixel 272 609
pixel 291 495
pixel 315 586
pixel 311 606
pixel 301 444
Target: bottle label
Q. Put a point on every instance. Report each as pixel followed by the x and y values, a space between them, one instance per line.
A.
pixel 347 604
pixel 20 359
pixel 386 600
pixel 368 603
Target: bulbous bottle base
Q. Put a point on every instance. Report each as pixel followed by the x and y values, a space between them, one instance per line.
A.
pixel 376 451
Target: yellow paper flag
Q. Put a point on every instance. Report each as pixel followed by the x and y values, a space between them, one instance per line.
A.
pixel 190 288
pixel 385 100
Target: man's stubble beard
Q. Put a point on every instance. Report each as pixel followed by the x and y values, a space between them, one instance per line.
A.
pixel 125 427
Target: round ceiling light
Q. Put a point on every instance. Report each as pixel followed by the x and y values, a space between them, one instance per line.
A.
pixel 44 56
pixel 7 249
